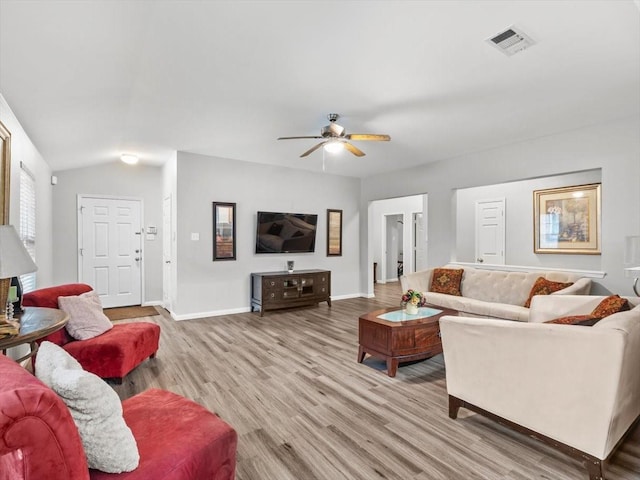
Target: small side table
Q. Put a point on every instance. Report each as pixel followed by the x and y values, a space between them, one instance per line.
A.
pixel 35 323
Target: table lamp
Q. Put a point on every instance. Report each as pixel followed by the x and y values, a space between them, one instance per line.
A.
pixel 632 260
pixel 14 261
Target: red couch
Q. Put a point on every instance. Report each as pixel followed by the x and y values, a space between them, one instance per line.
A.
pixel 110 355
pixel 177 438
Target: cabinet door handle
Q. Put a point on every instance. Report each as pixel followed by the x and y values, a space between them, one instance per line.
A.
pixel 273 284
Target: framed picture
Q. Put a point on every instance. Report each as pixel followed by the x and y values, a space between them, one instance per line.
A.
pixel 224 231
pixel 5 173
pixel 334 233
pixel 567 220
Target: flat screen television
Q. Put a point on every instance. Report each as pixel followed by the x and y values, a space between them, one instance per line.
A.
pixel 279 232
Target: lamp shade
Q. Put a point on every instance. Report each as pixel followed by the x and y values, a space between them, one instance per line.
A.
pixel 14 258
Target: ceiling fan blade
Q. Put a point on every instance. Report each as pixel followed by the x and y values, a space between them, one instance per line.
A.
pixel 368 136
pixel 353 149
pixel 296 138
pixel 313 149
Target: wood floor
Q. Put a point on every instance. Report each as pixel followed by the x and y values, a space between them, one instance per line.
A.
pixel 305 410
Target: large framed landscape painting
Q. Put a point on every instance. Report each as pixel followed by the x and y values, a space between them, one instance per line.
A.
pixel 5 173
pixel 567 220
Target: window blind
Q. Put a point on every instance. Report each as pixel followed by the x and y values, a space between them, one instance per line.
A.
pixel 28 222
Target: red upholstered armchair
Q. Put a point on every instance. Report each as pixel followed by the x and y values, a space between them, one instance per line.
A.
pixel 110 355
pixel 177 439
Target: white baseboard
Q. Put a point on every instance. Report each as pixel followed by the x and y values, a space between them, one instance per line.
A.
pixel 345 297
pixel 213 313
pixel 231 311
pixel 154 303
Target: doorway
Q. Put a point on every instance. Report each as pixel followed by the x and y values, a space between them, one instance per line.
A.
pixel 110 248
pixel 394 247
pixel 383 220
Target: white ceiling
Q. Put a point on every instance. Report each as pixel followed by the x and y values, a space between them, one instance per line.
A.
pixel 91 79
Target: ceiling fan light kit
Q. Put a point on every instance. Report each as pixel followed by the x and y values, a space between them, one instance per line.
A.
pixel 335 139
pixel 335 146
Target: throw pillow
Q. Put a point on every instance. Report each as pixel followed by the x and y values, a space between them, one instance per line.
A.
pixel 610 305
pixel 95 407
pixel 542 286
pixel 446 280
pixel 584 320
pixel 86 318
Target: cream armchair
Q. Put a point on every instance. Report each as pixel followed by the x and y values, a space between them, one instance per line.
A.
pixel 575 387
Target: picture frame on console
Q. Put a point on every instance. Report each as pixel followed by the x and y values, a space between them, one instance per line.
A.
pixel 334 233
pixel 568 220
pixel 224 231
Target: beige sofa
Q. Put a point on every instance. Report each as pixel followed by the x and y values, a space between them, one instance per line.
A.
pixel 493 293
pixel 575 387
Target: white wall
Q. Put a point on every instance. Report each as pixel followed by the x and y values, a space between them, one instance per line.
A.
pixel 404 206
pixel 23 150
pixel 518 221
pixel 612 147
pixel 115 179
pixel 206 287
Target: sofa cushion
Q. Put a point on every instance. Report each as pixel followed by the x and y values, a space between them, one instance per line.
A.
pixel 542 286
pixel 610 305
pixel 447 280
pixel 202 445
pixel 118 351
pixel 583 320
pixel 95 408
pixel 86 317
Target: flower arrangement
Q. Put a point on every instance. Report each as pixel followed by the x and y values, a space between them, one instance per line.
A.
pixel 414 298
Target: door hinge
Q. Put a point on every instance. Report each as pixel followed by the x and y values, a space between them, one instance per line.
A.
pixel 82 210
pixel 82 252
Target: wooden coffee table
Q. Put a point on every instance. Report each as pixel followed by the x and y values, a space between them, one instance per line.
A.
pixel 411 338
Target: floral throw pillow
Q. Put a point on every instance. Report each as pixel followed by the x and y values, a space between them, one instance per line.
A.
pixel 610 305
pixel 446 280
pixel 542 286
pixel 584 320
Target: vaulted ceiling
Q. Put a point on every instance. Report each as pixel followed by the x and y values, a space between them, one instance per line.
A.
pixel 89 80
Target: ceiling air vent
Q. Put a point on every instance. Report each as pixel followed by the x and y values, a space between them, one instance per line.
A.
pixel 511 41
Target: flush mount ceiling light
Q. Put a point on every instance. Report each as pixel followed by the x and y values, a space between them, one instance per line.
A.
pixel 129 159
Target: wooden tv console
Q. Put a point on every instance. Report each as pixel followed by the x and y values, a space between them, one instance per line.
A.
pixel 275 290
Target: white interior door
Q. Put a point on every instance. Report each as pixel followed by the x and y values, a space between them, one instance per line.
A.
pixel 419 243
pixel 490 231
pixel 110 255
pixel 166 253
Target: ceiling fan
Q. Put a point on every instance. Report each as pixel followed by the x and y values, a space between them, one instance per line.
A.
pixel 335 139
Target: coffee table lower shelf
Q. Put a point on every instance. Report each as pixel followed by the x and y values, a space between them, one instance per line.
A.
pixel 398 342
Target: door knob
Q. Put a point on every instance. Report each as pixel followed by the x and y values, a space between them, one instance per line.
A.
pixel 137 259
pixel 479 260
pixel 167 261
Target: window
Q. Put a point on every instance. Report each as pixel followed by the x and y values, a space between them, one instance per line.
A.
pixel 28 222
